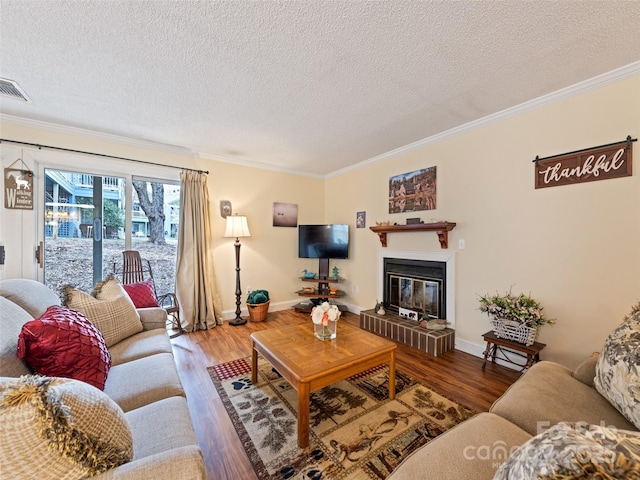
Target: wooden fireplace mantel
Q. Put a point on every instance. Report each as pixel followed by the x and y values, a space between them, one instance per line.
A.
pixel 442 228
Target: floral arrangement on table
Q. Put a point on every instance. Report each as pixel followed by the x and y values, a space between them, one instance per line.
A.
pixel 324 313
pixel 519 308
pixel 324 317
pixel 516 317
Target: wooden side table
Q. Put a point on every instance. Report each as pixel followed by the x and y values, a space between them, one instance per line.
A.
pixel 506 350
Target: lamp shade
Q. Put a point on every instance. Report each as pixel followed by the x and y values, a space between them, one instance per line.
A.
pixel 237 226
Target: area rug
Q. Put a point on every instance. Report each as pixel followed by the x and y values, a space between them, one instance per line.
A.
pixel 356 431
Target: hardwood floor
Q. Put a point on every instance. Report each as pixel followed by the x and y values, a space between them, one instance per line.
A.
pixel 455 375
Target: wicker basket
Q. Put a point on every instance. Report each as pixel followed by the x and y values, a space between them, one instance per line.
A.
pixel 510 330
pixel 258 311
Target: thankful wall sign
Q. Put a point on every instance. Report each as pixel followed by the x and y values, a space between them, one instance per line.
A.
pixel 588 165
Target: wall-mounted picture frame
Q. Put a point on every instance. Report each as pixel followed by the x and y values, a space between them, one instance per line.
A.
pixel 361 219
pixel 285 214
pixel 413 191
pixel 18 189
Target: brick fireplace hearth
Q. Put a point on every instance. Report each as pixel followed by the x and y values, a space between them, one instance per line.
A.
pixel 408 332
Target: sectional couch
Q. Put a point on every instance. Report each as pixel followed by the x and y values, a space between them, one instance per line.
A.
pixel 549 403
pixel 143 381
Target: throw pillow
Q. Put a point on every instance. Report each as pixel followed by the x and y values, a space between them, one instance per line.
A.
pixel 64 343
pixel 575 451
pixel 617 374
pixel 142 294
pixel 55 428
pixel 109 308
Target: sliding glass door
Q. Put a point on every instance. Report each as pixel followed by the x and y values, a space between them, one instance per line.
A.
pixel 87 227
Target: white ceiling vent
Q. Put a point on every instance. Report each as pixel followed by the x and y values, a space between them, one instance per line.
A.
pixel 9 88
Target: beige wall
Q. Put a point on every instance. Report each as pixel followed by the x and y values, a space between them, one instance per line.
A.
pixel 268 258
pixel 574 248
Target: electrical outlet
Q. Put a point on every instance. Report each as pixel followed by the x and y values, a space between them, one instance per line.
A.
pixel 248 289
pixel 355 289
pixel 461 244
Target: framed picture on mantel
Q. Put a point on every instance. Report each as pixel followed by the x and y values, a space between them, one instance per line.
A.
pixel 413 191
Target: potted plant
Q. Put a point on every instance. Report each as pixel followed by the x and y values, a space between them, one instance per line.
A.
pixel 515 317
pixel 258 305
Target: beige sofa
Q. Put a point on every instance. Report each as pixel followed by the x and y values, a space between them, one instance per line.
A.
pixel 143 381
pixel 548 393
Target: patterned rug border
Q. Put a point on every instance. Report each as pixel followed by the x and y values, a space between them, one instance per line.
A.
pixel 245 439
pixel 235 369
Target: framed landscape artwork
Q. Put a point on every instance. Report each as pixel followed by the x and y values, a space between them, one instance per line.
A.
pixel 413 191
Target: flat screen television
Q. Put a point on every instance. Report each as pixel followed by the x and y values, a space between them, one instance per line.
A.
pixel 323 241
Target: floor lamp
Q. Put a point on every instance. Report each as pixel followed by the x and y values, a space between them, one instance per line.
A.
pixel 237 227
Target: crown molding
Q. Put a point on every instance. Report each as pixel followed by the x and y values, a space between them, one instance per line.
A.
pixel 599 81
pixel 93 134
pixel 118 139
pixel 262 166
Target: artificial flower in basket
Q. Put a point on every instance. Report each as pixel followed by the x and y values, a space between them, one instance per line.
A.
pixel 515 317
pixel 325 318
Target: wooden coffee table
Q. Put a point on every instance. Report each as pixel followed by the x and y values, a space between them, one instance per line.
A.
pixel 309 364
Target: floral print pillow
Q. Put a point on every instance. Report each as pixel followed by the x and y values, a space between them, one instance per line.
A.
pixel 618 369
pixel 576 450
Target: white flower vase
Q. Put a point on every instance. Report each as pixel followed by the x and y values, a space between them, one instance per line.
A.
pixel 325 332
pixel 325 318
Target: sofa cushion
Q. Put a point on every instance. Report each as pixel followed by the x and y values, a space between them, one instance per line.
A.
pixel 109 308
pixel 64 343
pixel 142 294
pixel 618 369
pixel 541 388
pixel 12 317
pixel 32 296
pixel 472 449
pixel 55 428
pixel 143 381
pixel 575 451
pixel 143 344
pixel 167 421
pixel 174 452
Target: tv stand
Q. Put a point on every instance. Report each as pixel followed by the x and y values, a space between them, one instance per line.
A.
pixel 322 293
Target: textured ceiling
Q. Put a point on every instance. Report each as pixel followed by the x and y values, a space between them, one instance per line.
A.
pixel 306 86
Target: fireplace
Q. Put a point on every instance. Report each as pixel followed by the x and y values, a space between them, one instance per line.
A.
pixel 416 285
pixel 433 275
pixel 428 279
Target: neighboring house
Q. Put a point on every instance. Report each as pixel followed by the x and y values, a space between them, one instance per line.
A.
pixel 69 203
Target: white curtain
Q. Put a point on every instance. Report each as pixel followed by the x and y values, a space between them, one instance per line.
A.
pixel 196 286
